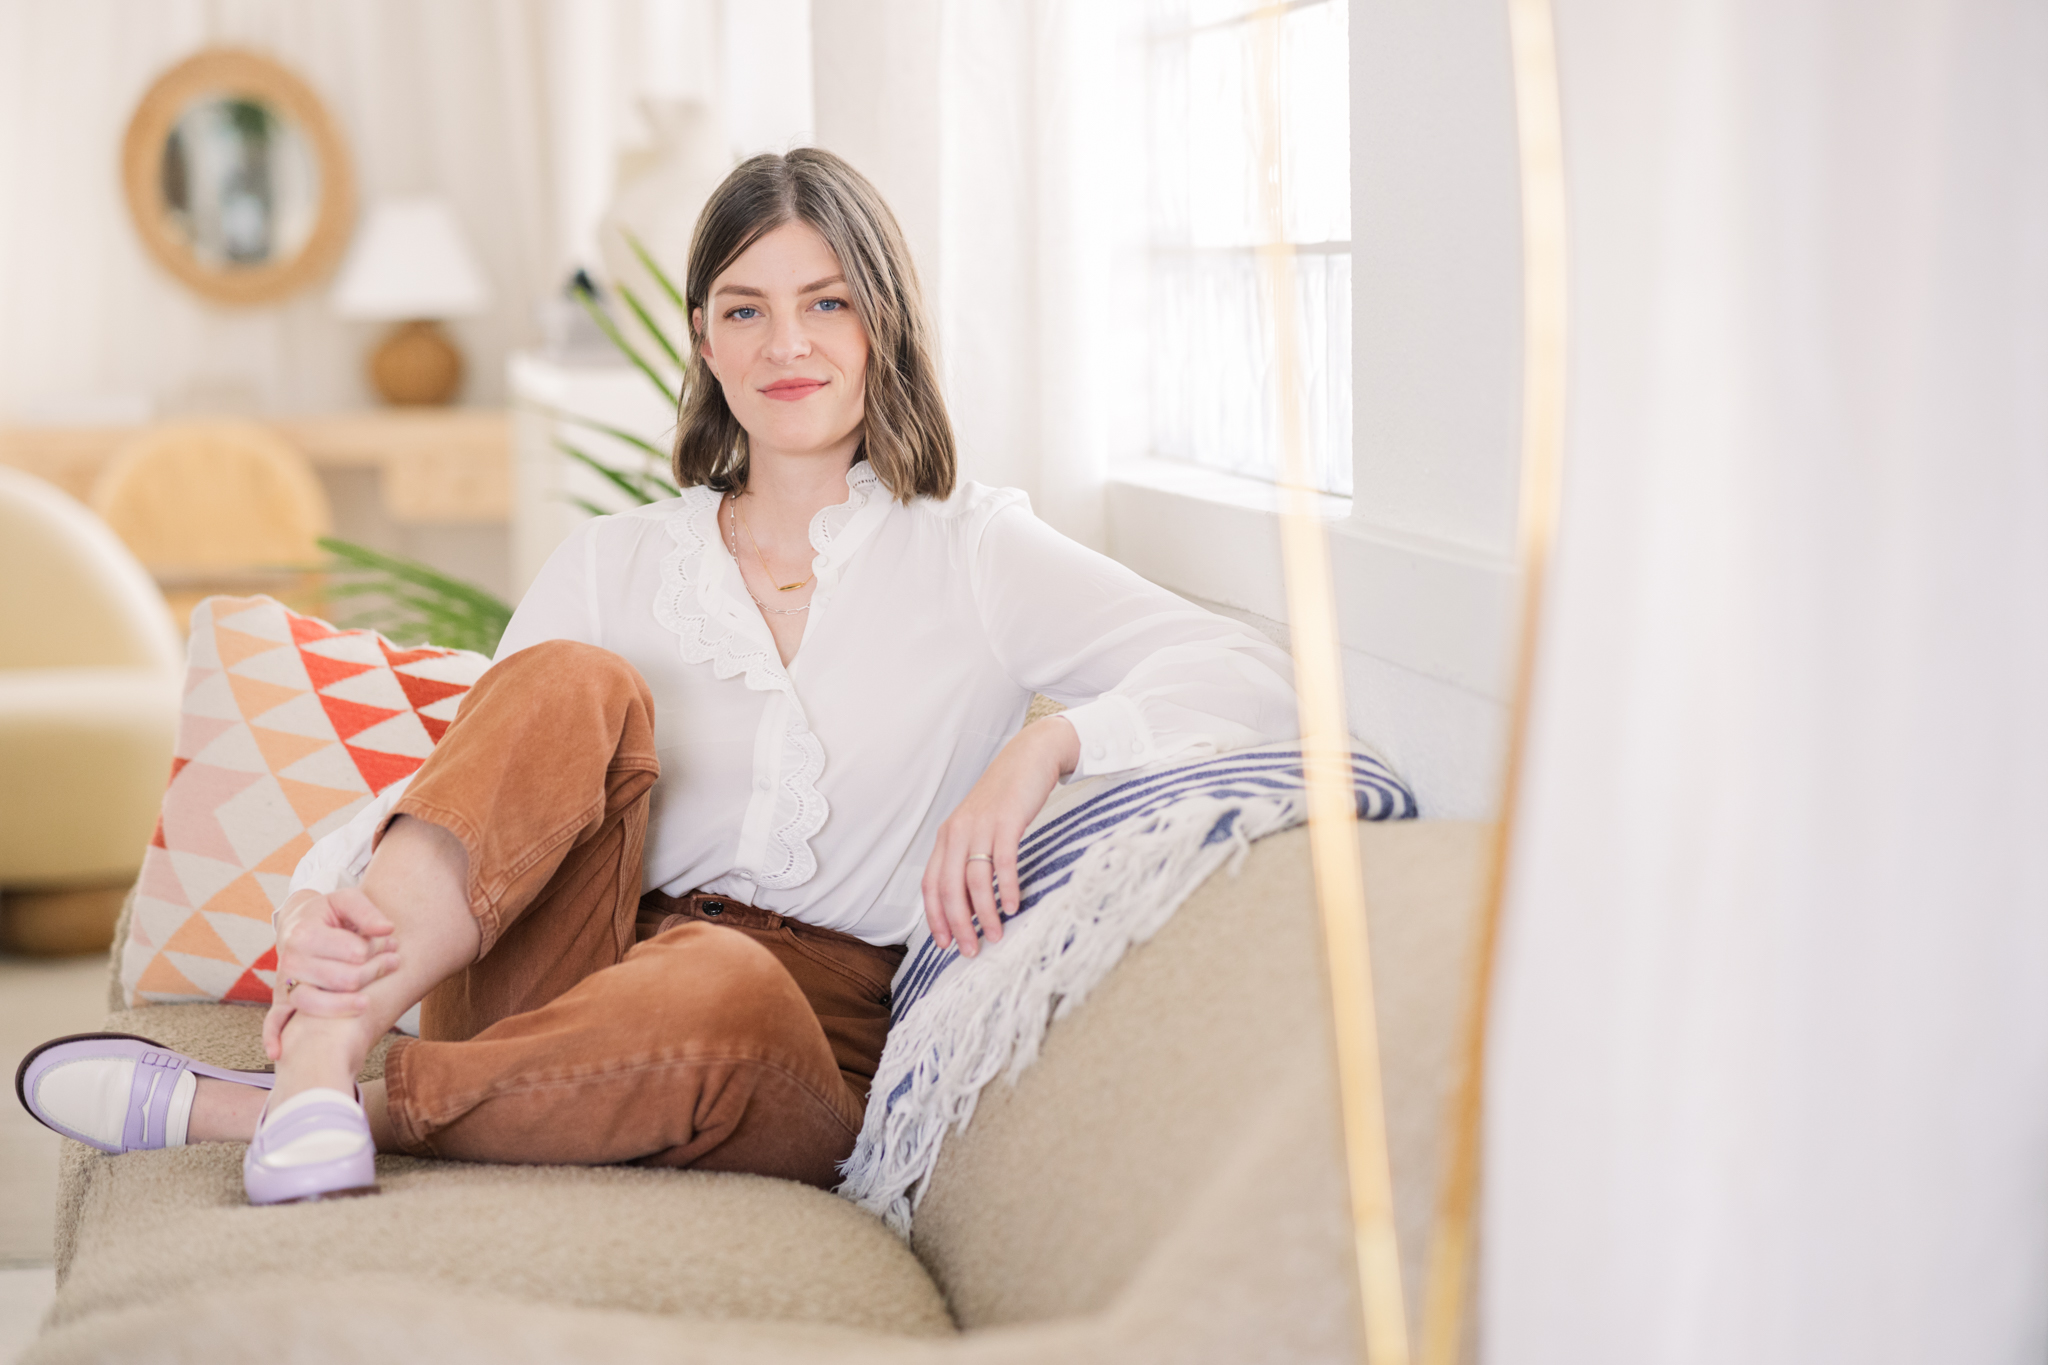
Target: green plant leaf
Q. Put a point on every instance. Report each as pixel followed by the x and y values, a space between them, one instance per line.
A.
pixel 625 481
pixel 587 505
pixel 651 450
pixel 625 347
pixel 661 278
pixel 406 598
pixel 653 330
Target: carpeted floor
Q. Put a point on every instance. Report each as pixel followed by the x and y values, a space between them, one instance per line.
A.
pixel 38 999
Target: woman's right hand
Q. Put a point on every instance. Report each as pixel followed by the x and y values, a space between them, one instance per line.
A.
pixel 329 947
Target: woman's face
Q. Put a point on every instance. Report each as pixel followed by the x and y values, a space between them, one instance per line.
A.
pixel 782 338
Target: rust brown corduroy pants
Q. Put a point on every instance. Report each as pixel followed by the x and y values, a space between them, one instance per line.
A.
pixel 599 1025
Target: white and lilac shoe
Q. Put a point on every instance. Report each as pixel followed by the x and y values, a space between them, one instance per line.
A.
pixel 116 1091
pixel 315 1145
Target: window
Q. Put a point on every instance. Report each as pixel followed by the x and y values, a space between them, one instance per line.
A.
pixel 1211 345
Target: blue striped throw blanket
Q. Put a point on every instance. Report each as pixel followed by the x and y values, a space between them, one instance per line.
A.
pixel 1103 867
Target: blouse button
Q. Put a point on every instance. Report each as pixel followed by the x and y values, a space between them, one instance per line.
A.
pixel 760 784
pixel 1097 751
pixel 1137 746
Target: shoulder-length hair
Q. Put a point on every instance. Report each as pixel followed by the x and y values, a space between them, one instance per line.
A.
pixel 906 436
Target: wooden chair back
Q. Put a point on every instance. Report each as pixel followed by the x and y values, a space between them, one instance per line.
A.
pixel 218 507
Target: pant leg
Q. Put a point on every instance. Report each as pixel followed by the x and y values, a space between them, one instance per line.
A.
pixel 563 1042
pixel 544 777
pixel 699 1049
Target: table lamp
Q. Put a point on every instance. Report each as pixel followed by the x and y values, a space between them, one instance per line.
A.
pixel 410 265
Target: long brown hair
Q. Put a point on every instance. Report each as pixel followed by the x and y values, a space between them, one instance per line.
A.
pixel 906 436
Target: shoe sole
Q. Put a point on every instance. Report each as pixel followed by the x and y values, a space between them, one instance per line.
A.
pixel 357 1193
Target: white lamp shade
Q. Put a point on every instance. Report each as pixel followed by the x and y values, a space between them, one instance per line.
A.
pixel 410 261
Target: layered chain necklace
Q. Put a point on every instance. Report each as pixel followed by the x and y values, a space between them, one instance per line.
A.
pixel 732 537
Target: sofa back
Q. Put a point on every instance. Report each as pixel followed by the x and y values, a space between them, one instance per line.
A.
pixel 1174 1156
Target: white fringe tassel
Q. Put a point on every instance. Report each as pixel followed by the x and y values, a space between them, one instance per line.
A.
pixel 988 1014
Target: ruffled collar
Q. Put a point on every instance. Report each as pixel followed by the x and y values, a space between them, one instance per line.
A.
pixel 703 601
pixel 703 595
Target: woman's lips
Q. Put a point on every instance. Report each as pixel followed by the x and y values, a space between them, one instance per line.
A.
pixel 790 390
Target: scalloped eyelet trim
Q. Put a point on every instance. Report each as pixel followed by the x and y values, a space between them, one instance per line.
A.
pixel 696 605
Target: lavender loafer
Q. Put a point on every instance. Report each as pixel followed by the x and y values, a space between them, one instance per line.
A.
pixel 116 1091
pixel 315 1145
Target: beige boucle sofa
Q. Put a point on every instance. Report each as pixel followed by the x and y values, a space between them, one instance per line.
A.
pixel 1163 1185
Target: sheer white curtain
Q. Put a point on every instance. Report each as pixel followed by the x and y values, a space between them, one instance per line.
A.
pixel 515 111
pixel 1039 281
pixel 1771 1079
pixel 440 98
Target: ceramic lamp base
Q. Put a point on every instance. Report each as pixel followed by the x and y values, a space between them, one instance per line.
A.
pixel 63 922
pixel 416 365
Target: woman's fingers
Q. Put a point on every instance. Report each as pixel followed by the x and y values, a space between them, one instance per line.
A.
pixel 953 894
pixel 274 1021
pixel 934 912
pixel 330 975
pixel 965 896
pixel 324 941
pixel 981 893
pixel 354 910
pixel 309 999
pixel 1009 886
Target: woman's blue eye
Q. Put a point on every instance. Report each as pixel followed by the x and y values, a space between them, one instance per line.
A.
pixel 832 305
pixel 742 312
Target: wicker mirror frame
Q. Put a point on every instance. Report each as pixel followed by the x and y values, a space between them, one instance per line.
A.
pixel 235 71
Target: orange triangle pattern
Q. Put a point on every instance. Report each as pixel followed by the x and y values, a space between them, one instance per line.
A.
pixel 281 750
pixel 255 696
pixel 243 896
pixel 233 646
pixel 161 978
pixel 285 859
pixel 326 672
pixel 424 692
pixel 314 804
pixel 249 989
pixel 306 629
pixel 380 769
pixel 197 937
pixel 351 718
pixel 198 805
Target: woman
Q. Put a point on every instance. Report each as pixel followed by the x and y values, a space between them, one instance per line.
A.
pixel 654 882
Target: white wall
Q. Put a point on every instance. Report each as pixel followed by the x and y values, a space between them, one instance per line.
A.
pixel 1425 563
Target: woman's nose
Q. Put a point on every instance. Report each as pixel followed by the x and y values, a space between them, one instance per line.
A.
pixel 787 340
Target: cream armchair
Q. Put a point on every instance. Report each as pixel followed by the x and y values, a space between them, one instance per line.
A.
pixel 90 670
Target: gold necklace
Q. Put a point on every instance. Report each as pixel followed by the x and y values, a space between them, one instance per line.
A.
pixel 760 558
pixel 733 543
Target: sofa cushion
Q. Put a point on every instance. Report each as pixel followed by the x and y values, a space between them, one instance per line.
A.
pixel 156 1227
pixel 1084 1180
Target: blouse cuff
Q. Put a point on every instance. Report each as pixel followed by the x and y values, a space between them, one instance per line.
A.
pixel 1114 735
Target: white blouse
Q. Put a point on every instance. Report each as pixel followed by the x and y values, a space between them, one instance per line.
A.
pixel 816 790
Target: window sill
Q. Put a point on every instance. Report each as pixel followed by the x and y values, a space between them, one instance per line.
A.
pixel 1431 607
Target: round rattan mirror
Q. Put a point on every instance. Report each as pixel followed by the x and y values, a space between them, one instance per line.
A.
pixel 237 179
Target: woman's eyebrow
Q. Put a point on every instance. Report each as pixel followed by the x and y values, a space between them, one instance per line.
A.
pixel 748 291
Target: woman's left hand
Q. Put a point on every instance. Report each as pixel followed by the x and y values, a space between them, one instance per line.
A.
pixel 989 823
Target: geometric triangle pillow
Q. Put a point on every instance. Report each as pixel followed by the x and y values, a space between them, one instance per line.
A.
pixel 289 727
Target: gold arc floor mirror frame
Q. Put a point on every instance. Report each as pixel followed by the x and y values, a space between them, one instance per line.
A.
pixel 1333 845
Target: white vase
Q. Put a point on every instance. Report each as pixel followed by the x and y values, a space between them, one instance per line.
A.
pixel 662 187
